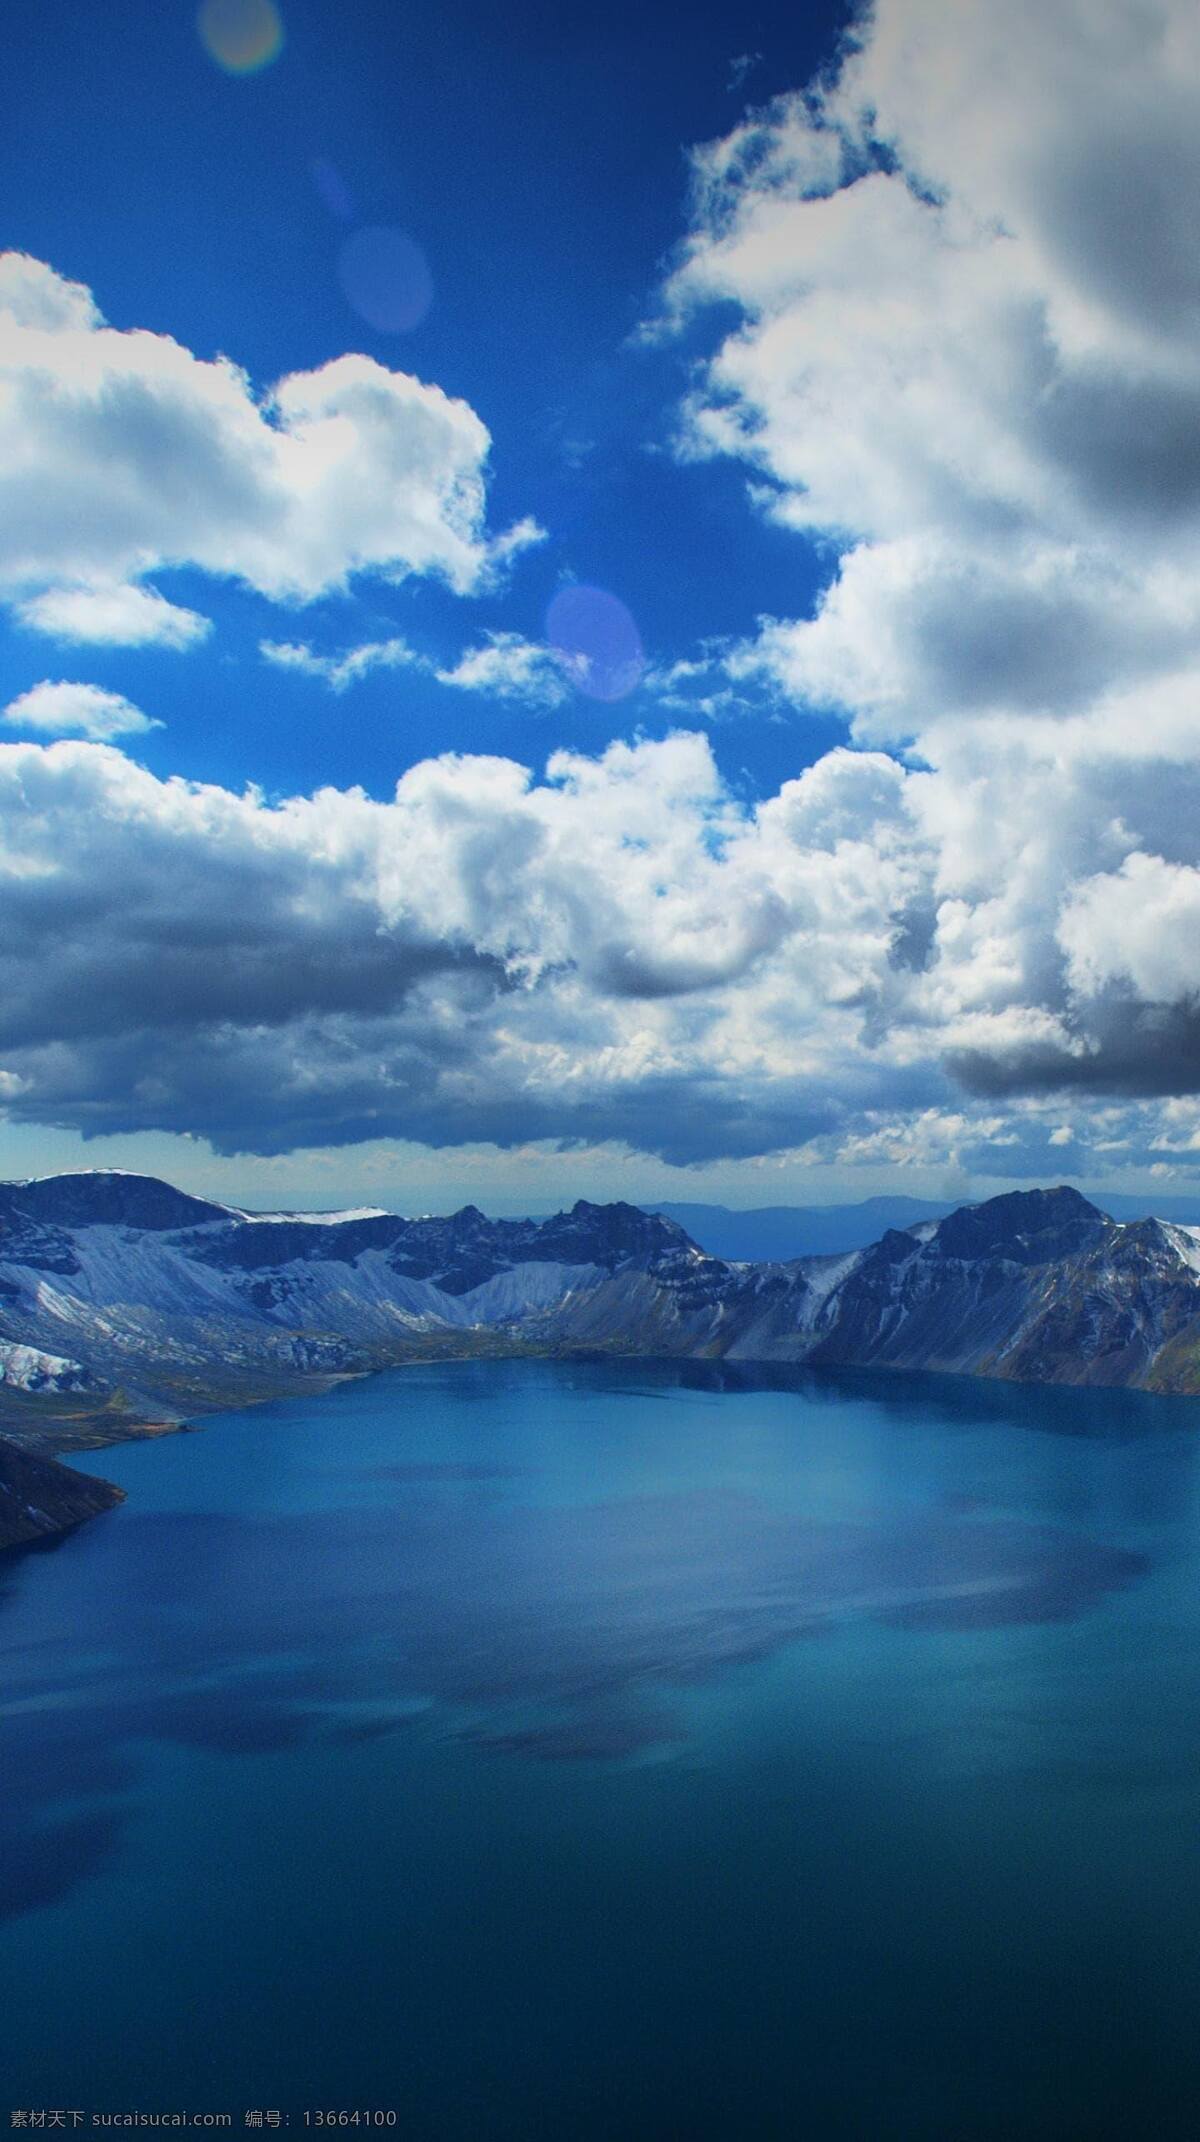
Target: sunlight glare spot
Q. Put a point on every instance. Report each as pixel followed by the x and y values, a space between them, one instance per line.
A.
pixel 241 35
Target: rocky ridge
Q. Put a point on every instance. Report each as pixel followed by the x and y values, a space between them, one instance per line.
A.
pixel 123 1299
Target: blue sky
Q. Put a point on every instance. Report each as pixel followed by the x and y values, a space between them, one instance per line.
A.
pixel 594 606
pixel 539 159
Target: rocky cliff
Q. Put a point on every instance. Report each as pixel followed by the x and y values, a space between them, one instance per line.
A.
pixel 39 1497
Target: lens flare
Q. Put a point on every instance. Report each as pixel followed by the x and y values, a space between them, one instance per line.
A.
pixel 241 35
pixel 333 189
pixel 596 641
pixel 386 278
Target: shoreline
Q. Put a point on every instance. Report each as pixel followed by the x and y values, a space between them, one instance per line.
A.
pixel 42 1500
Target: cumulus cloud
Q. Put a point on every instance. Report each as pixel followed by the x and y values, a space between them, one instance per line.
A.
pixel 77 710
pixel 965 367
pixel 113 615
pixel 967 353
pixel 122 452
pixel 617 949
pixel 509 667
pixel 621 949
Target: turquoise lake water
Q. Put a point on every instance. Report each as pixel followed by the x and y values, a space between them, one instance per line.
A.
pixel 566 1750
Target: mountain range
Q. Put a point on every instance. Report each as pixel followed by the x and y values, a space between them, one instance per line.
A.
pixel 127 1306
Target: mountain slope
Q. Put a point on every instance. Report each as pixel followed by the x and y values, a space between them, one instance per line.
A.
pixel 117 1293
pixel 185 1305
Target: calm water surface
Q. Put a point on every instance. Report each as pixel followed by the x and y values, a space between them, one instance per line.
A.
pixel 578 1751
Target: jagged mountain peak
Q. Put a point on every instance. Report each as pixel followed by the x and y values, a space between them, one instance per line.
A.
pixel 622 1227
pixel 1028 1226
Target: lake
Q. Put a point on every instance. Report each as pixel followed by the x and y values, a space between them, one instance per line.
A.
pixel 543 1749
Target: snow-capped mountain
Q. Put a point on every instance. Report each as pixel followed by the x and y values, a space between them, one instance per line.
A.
pixel 1035 1287
pixel 186 1304
pixel 113 1281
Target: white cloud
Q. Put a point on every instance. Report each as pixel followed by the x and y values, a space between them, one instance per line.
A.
pixel 970 358
pixel 710 686
pixel 525 534
pixel 619 951
pixel 340 671
pixel 35 297
pixel 505 666
pixel 966 364
pixel 509 667
pixel 122 451
pixel 1139 924
pixel 77 710
pixel 113 615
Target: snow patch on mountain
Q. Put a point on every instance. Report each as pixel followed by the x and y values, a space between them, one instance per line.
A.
pixel 509 1296
pixel 1186 1241
pixel 824 1275
pixel 25 1368
pixel 308 1219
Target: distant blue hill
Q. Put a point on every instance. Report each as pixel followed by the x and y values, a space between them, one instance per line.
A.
pixel 773 1233
pixel 778 1232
